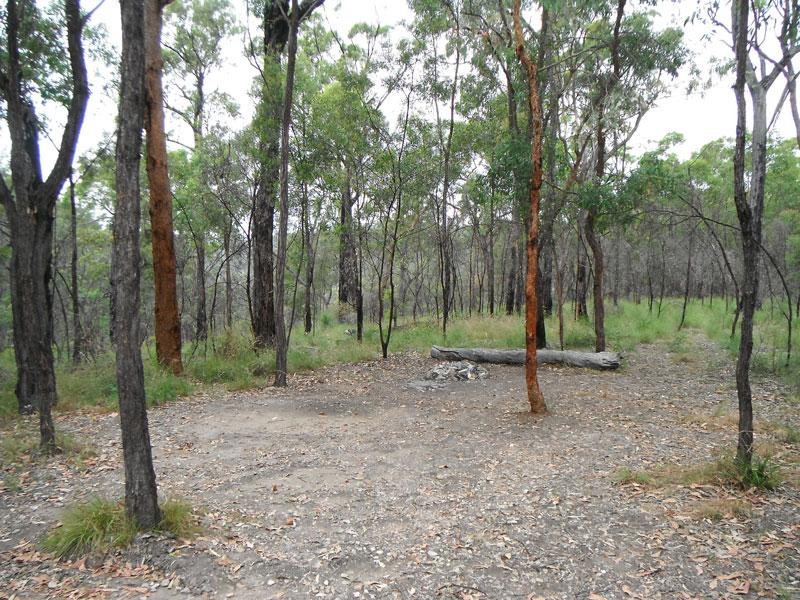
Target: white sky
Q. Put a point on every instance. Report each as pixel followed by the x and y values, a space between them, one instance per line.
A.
pixel 701 117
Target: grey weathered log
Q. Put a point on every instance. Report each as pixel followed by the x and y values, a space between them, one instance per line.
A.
pixel 591 360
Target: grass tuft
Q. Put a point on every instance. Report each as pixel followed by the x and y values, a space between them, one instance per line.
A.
pixel 625 476
pixel 719 509
pixel 763 473
pixel 100 525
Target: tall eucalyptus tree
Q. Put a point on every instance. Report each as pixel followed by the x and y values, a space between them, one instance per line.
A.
pixel 34 68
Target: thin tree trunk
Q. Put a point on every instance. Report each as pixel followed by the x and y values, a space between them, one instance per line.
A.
pixel 141 497
pixel 750 232
pixel 77 331
pixel 535 397
pixel 281 341
pixel 597 282
pixel 201 319
pixel 226 246
pixel 688 280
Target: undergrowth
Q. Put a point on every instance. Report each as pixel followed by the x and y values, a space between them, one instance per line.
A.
pixel 100 525
pixel 228 359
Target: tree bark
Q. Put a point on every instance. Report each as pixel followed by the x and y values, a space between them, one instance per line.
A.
pixel 167 317
pixel 141 497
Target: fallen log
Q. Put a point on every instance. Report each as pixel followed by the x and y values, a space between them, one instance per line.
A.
pixel 602 361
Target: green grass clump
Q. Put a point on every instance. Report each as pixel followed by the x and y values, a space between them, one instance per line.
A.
pixel 626 475
pixel 762 473
pixel 95 526
pixel 100 524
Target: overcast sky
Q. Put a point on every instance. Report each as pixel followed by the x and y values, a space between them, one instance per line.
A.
pixel 703 116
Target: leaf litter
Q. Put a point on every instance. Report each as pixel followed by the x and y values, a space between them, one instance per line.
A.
pixel 353 484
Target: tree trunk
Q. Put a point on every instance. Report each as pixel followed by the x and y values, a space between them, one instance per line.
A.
pixel 602 361
pixel 77 330
pixel 30 208
pixel 535 397
pixel 511 278
pixel 688 281
pixel 201 319
pixel 281 341
pixel 141 497
pixel 580 283
pixel 490 258
pixel 347 252
pixel 167 317
pixel 226 246
pixel 541 332
pixel 597 282
pixel 749 215
pixel 263 269
pixel 32 309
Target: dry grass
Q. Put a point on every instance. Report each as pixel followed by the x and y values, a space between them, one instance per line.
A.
pixel 719 509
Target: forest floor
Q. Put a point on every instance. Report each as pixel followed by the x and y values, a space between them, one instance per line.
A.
pixel 357 482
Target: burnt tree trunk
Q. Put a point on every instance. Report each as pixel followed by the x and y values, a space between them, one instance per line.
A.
pixel 167 317
pixel 141 496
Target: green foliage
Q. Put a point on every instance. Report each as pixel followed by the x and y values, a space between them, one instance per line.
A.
pixel 761 473
pixel 100 525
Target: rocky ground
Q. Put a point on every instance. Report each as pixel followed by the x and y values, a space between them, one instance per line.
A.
pixel 358 482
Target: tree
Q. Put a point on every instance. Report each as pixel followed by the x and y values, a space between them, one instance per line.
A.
pixel 281 341
pixel 535 397
pixel 605 88
pixel 197 29
pixel 750 206
pixel 276 34
pixel 167 316
pixel 141 497
pixel 27 70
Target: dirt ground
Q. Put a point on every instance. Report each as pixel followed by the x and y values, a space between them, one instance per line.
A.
pixel 356 482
